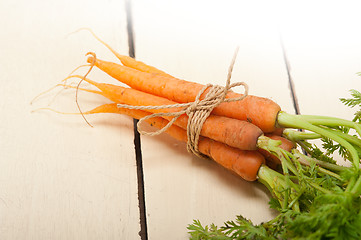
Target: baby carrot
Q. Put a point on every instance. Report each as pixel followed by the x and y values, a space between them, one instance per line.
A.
pixel 235 133
pixel 141 66
pixel 244 163
pixel 257 110
pixel 262 112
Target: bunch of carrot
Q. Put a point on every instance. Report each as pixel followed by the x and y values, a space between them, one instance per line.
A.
pixel 236 134
pixel 242 136
pixel 221 136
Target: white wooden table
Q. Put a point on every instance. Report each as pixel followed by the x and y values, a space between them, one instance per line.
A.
pixel 61 179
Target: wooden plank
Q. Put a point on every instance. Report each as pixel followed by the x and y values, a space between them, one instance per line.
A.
pixel 195 40
pixel 60 178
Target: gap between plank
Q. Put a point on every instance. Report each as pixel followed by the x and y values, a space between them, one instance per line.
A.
pixel 143 233
pixel 292 86
pixel 290 80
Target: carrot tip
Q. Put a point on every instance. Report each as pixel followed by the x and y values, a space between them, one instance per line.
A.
pixel 91 53
pixel 57 111
pixel 47 91
pixel 90 59
pixel 84 65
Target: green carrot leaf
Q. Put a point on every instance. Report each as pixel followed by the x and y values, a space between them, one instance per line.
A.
pixel 198 232
pixel 354 101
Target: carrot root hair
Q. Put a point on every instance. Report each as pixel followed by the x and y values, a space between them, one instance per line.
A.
pixel 53 110
pixel 97 38
pixel 77 87
pixel 78 67
pixel 64 84
pixel 105 108
pixel 45 92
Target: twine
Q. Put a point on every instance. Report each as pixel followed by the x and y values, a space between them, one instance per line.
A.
pixel 197 111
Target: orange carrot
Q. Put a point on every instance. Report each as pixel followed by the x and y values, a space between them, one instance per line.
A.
pixel 278 131
pixel 233 132
pixel 243 163
pixel 257 110
pixel 141 66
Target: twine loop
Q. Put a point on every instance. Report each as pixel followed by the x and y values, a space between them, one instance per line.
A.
pixel 197 111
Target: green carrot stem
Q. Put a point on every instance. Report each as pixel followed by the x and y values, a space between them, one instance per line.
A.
pixel 273 180
pixel 294 203
pixel 351 184
pixel 330 173
pixel 357 187
pixel 318 187
pixel 304 146
pixel 293 121
pixel 284 157
pixel 287 180
pixel 332 122
pixel 306 160
pixel 295 136
pixel 265 142
pixel 268 177
pixel 352 139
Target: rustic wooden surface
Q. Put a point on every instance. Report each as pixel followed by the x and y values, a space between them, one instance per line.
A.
pixel 61 179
